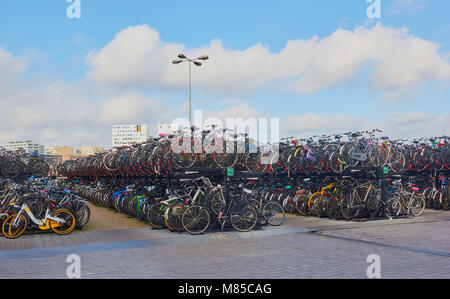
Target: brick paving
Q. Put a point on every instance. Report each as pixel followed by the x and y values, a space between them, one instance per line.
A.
pixel 303 248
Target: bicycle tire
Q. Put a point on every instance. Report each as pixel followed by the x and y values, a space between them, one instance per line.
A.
pixel 154 216
pixel 196 219
pixel 69 219
pixel 172 217
pixel 7 225
pixel 417 206
pixel 270 210
pixel 83 216
pixel 243 214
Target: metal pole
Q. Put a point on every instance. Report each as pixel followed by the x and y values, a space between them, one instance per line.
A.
pixel 190 101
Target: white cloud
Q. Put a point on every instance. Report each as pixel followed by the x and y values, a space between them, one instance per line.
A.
pixel 314 123
pixel 236 111
pixel 396 60
pixel 407 6
pixel 10 67
pixel 415 124
pixel 49 111
pixel 130 107
pixel 396 125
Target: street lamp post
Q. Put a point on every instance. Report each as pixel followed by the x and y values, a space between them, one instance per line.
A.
pixel 196 61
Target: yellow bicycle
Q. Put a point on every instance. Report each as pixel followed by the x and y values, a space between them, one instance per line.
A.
pixel 315 199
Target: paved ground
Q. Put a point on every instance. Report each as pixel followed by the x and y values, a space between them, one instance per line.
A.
pixel 114 246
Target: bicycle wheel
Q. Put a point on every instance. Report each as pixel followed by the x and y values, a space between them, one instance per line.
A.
pixel 379 156
pixel 397 161
pixel 253 163
pixel 226 157
pixel 446 199
pixel 426 195
pixel 336 164
pixel 195 220
pixel 172 217
pixel 349 209
pixel 375 204
pixel 13 230
pixel 216 202
pixel 110 161
pixel 243 218
pixel 301 203
pixel 255 203
pixel 155 216
pixel 393 207
pixel 289 204
pixel 332 208
pixel 437 200
pixel 274 213
pixel 181 153
pixel 417 206
pixel 82 216
pixel 312 203
pixel 66 225
pixel 446 205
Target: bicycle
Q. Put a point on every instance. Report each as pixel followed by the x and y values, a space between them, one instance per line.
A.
pixel 60 221
pixel 407 203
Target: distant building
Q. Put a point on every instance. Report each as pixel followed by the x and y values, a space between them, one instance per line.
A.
pixel 90 150
pixel 125 135
pixel 27 145
pixel 167 129
pixel 59 150
pixel 53 159
pixel 73 157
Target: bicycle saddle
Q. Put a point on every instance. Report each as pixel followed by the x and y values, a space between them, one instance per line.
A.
pixel 234 194
pixel 248 191
pixel 28 196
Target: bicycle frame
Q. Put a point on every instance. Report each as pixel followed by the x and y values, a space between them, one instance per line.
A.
pixel 361 155
pixel 48 216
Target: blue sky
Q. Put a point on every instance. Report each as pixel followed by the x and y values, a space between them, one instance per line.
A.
pixel 69 60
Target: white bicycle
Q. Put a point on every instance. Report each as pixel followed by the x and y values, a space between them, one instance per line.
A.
pixel 59 221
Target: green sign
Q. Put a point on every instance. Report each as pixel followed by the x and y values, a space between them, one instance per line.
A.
pixel 230 172
pixel 385 170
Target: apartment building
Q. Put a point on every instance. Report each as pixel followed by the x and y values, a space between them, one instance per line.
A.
pixel 167 129
pixel 27 145
pixel 59 150
pixel 90 150
pixel 125 135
